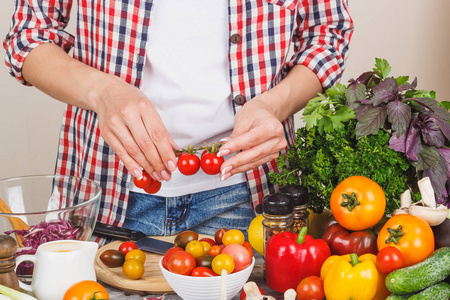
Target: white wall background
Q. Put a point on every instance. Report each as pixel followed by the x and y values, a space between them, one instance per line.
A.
pixel 413 35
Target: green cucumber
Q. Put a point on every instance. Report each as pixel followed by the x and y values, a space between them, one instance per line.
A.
pixel 433 269
pixel 438 291
pixel 398 297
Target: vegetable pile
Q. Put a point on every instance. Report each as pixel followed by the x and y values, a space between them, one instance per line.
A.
pixel 377 126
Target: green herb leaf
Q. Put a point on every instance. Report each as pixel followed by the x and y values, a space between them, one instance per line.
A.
pixel 382 68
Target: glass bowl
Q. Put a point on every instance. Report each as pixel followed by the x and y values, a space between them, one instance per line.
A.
pixel 43 208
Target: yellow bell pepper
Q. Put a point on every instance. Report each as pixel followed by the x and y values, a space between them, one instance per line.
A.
pixel 348 277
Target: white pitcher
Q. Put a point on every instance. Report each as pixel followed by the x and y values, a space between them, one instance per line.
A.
pixel 58 265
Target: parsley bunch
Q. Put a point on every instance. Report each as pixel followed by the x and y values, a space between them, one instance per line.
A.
pixel 379 127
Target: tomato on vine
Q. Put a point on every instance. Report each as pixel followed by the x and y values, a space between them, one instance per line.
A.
pixel 210 163
pixel 142 182
pixel 153 187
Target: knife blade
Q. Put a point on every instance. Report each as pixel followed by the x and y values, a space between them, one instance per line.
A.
pixel 141 239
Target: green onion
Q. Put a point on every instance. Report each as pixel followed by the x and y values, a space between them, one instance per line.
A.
pixel 13 294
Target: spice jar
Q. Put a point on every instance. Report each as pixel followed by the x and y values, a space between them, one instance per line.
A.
pixel 278 210
pixel 8 247
pixel 301 214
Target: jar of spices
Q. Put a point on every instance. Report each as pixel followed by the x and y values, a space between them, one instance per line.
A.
pixel 301 214
pixel 278 210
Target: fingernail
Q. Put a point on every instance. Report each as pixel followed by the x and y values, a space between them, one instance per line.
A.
pixel 225 176
pixel 172 166
pixel 223 152
pixel 227 169
pixel 165 175
pixel 137 173
pixel 157 177
pixel 224 140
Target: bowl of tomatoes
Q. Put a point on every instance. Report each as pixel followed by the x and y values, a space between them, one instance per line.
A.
pixel 194 266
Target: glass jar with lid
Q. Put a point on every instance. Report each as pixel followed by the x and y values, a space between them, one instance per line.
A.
pixel 301 214
pixel 278 210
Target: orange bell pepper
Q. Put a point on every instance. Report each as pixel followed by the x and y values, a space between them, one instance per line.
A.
pixel 351 277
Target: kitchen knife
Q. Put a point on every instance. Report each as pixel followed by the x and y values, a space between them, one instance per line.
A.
pixel 142 241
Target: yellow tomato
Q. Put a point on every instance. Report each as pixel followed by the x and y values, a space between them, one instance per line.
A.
pixel 195 248
pixel 136 254
pixel 133 269
pixel 221 262
pixel 233 236
pixel 206 246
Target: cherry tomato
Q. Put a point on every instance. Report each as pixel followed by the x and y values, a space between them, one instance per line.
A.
pixel 209 240
pixel 86 290
pixel 142 182
pixel 215 250
pixel 389 259
pixel 310 288
pixel 358 203
pixel 181 263
pixel 136 254
pixel 244 295
pixel 233 236
pixel 203 272
pixel 219 234
pixel 195 248
pixel 241 257
pixel 168 254
pixel 223 262
pixel 210 163
pixel 204 261
pixel 127 246
pixel 153 187
pixel 112 258
pixel 133 269
pixel 248 247
pixel 409 234
pixel 182 239
pixel 206 246
pixel 188 164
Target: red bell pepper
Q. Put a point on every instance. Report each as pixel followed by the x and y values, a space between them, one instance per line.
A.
pixel 289 258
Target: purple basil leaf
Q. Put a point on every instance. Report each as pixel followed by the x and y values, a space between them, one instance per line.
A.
pixel 365 77
pixel 355 92
pixel 384 92
pixel 398 143
pixel 371 120
pixel 428 103
pixel 427 158
pixel 408 86
pixel 431 134
pixel 442 113
pixel 444 126
pixel 445 153
pixel 399 115
pixel 438 176
pixel 412 143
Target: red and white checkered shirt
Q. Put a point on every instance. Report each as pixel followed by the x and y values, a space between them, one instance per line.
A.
pixel 111 36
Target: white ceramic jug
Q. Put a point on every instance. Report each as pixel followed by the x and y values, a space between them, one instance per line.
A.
pixel 58 265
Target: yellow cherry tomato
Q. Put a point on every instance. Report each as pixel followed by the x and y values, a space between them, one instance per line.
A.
pixel 133 269
pixel 221 262
pixel 206 246
pixel 136 254
pixel 195 248
pixel 233 236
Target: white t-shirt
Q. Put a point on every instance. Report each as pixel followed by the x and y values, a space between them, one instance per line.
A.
pixel 186 76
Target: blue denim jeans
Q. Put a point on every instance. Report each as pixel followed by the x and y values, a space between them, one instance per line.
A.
pixel 203 212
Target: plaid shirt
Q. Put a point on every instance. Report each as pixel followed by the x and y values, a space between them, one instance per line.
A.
pixel 111 36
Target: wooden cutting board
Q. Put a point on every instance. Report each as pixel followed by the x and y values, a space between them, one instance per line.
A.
pixel 151 282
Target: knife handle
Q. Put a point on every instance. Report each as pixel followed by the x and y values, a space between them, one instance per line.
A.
pixel 117 232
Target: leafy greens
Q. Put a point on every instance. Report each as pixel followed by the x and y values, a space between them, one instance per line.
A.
pixel 379 127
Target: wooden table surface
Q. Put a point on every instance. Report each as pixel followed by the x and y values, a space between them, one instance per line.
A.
pixel 257 276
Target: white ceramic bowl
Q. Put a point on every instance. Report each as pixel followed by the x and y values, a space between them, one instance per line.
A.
pixel 206 288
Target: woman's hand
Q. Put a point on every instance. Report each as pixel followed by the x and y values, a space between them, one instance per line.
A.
pixel 132 127
pixel 258 133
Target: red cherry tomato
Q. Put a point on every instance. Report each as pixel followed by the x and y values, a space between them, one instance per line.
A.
pixel 153 187
pixel 248 247
pixel 127 246
pixel 168 255
pixel 203 272
pixel 142 182
pixel 389 259
pixel 181 263
pixel 210 163
pixel 219 234
pixel 310 288
pixel 188 164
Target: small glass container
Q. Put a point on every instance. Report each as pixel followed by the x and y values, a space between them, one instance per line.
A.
pixel 301 214
pixel 278 210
